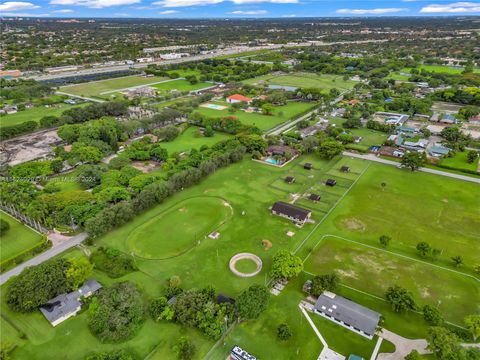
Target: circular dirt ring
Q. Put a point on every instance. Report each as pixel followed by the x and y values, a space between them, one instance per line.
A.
pixel 245 256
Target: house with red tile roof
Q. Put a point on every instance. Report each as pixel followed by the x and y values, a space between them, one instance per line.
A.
pixel 236 98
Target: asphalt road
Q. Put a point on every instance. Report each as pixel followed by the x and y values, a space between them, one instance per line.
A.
pixel 372 157
pixel 46 255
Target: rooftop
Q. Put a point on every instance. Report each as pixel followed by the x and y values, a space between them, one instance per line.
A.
pixel 291 210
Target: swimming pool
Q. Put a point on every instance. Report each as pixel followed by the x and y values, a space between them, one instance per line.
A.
pixel 272 161
pixel 214 106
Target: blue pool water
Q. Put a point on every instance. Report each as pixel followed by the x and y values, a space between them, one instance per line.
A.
pixel 272 161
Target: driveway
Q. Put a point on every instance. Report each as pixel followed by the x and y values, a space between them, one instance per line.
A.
pixel 403 346
pixel 46 255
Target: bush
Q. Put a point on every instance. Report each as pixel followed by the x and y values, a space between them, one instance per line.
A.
pixel 184 349
pixel 113 262
pixel 4 226
pixel 111 355
pixel 283 332
pixel 117 312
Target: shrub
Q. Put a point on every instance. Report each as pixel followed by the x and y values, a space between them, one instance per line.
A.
pixel 283 332
pixel 113 262
pixel 4 226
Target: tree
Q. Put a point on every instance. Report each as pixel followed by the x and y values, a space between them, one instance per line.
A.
pixel 284 332
pixel 267 109
pixel 36 285
pixel 56 166
pixel 472 155
pixel 157 307
pixel 432 315
pixel 457 260
pixel 400 299
pixel 252 302
pixel 89 176
pixel 443 343
pixel 413 355
pixel 285 265
pixel 472 323
pixel 208 132
pixel 384 240
pixel 383 185
pixel 414 160
pixel 329 149
pixel 320 283
pixel 423 249
pixel 184 349
pixel 117 312
pixel 78 272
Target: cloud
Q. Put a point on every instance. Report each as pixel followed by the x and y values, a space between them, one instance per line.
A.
pixel 168 12
pixel 24 14
pixel 63 11
pixel 94 4
pixel 17 6
pixel 458 7
pixel 370 11
pixel 289 15
pixel 249 12
pixel 264 1
pixel 185 3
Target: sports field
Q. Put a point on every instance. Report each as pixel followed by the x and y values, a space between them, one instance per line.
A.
pixel 95 88
pixel 194 219
pixel 263 122
pixel 35 114
pixel 17 239
pixel 181 85
pixel 304 80
pixel 191 139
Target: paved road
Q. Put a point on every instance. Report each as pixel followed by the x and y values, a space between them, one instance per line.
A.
pixel 46 255
pixel 372 157
pixel 79 97
pixel 403 346
pixel 213 54
pixel 291 124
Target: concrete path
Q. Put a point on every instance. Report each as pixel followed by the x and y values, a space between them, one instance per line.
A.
pixel 377 347
pixel 371 157
pixel 403 346
pixel 46 255
pixel 322 340
pixel 79 97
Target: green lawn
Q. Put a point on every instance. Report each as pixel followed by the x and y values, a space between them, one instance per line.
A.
pixel 181 85
pixel 35 114
pixel 95 88
pixel 17 239
pixel 357 264
pixel 305 80
pixel 194 219
pixel 444 69
pixel 242 54
pixel 436 209
pixel 191 139
pixel 185 72
pixel 263 122
pixel 459 161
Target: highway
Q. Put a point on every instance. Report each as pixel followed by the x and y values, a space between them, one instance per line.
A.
pixel 213 54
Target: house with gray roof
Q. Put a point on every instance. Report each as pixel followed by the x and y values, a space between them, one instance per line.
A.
pixel 348 314
pixel 64 306
pixel 294 213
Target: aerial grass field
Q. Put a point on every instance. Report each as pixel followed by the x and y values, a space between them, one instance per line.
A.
pixel 35 114
pixel 459 161
pixel 357 265
pixel 439 210
pixel 17 239
pixel 191 139
pixel 181 85
pixel 194 218
pixel 95 88
pixel 304 80
pixel 264 122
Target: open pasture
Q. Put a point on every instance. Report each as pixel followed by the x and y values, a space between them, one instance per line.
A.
pixel 304 80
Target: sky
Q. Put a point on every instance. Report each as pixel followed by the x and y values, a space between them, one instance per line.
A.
pixel 235 8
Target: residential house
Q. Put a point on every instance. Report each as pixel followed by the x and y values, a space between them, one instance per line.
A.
pixel 64 306
pixel 292 212
pixel 237 98
pixel 348 314
pixel 237 353
pixel 438 151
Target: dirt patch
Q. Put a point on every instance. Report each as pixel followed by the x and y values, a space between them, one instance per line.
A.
pixel 145 166
pixel 445 201
pixel 369 263
pixel 424 293
pixel 267 244
pixel 183 209
pixel 354 224
pixel 349 274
